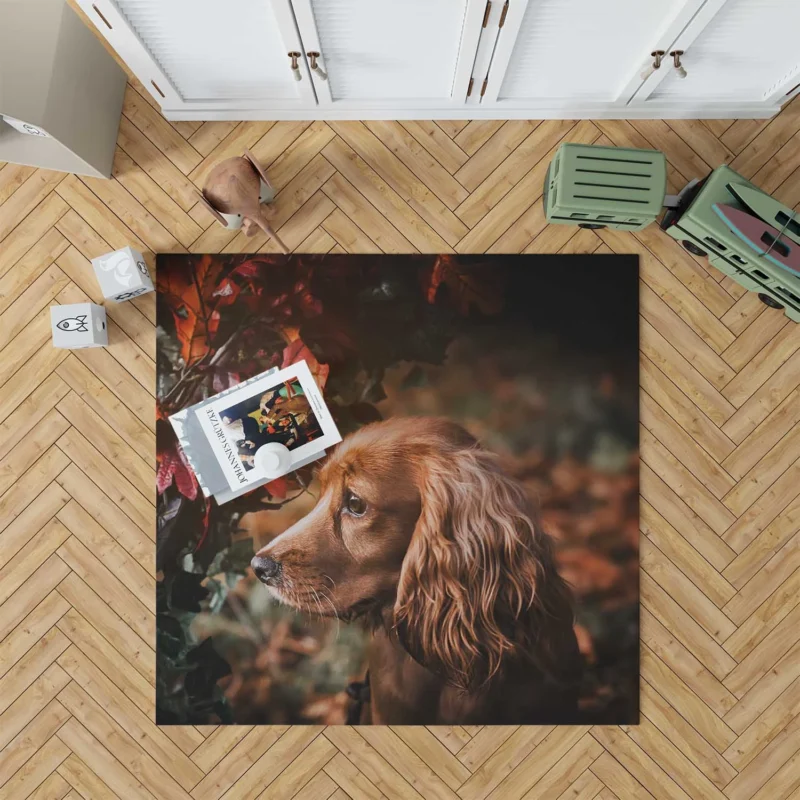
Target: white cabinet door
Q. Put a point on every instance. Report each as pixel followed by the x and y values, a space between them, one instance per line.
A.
pixel 578 54
pixel 200 54
pixel 390 54
pixel 735 51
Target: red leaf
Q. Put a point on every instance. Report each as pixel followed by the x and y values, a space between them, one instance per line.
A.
pixel 206 520
pixel 297 350
pixel 172 465
pixel 278 488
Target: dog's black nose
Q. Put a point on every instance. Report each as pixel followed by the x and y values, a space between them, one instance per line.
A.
pixel 266 569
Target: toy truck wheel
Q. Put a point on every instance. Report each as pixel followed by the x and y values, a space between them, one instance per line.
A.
pixel 592 226
pixel 693 248
pixel 769 301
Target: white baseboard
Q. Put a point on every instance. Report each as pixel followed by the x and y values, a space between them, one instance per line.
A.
pixel 700 111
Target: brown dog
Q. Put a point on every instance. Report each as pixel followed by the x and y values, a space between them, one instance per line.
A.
pixel 420 533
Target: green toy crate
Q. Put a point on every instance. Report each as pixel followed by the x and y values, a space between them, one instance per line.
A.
pixel 597 187
pixel 695 224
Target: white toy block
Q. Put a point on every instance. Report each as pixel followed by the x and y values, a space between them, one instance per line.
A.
pixel 78 325
pixel 122 274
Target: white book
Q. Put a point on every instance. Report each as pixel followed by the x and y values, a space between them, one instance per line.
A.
pixel 255 432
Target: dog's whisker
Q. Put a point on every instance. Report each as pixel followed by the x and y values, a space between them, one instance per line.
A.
pixel 335 613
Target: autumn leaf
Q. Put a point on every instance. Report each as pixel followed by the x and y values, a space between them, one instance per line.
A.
pixel 189 295
pixel 278 488
pixel 469 284
pixel 297 350
pixel 173 467
pixel 261 286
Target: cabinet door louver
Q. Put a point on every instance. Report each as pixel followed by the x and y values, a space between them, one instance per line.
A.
pixel 582 49
pixel 212 50
pixel 389 50
pixel 749 49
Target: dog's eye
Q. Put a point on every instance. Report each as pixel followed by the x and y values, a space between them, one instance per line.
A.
pixel 355 505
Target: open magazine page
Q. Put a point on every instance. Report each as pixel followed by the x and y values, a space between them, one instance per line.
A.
pixel 285 407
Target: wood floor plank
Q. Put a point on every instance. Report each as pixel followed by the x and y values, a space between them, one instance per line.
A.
pixel 353 783
pixel 498 183
pixel 422 220
pixel 237 762
pixel 89 459
pixel 112 519
pixel 670 654
pixel 419 161
pixel 502 144
pixel 12 176
pixel 159 131
pixel 293 158
pixel 30 267
pixel 503 762
pixel 30 302
pixel 105 695
pixel 33 736
pixel 111 626
pixel 686 413
pixel 153 161
pixel 684 737
pixel 106 440
pixel 761 403
pixel 31 230
pixel 38 549
pixel 108 770
pixel 378 229
pixel 105 405
pixel 767 508
pixel 687 703
pixel 158 203
pixel 120 743
pixel 682 554
pixel 437 143
pixel 697 388
pixel 686 340
pixel 31 702
pixel 683 447
pixel 31 629
pixel 84 782
pixel 641 766
pixel 676 584
pixel 779 599
pixel 32 192
pixel 108 587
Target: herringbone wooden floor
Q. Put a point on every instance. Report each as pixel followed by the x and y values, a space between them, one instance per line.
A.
pixel 720 507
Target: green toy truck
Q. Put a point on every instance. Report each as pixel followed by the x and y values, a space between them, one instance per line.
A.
pixel 597 187
pixel 701 230
pixel 605 187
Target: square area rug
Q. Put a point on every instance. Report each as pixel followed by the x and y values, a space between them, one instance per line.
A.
pixel 468 554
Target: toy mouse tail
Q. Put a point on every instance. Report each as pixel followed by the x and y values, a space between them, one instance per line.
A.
pixel 268 229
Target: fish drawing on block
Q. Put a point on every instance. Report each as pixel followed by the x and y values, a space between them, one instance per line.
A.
pixel 761 237
pixel 77 324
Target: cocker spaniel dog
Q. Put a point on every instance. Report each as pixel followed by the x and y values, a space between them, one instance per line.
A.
pixel 420 533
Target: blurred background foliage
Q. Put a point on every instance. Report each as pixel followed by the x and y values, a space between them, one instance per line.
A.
pixel 536 356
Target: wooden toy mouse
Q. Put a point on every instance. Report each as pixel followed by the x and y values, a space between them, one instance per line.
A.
pixel 234 192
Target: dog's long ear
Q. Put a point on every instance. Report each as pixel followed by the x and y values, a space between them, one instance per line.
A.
pixel 479 587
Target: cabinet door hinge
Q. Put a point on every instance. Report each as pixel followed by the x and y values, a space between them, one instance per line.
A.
pixel 469 88
pixel 503 15
pixel 486 13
